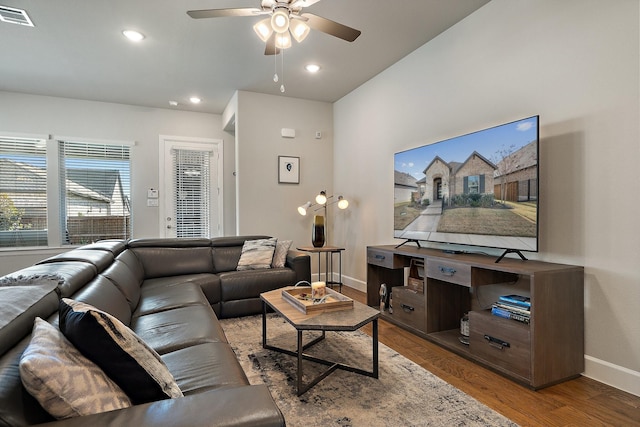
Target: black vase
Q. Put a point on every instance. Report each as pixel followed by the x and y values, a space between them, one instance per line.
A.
pixel 317 232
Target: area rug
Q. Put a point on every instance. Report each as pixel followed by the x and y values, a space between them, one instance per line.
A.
pixel 404 395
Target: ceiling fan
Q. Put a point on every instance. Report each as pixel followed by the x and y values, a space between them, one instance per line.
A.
pixel 284 21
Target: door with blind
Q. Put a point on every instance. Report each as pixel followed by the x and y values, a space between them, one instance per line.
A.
pixel 191 193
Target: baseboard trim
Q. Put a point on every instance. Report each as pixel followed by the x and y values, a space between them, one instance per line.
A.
pixel 614 375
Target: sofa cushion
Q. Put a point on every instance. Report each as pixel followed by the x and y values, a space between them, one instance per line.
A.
pixel 205 366
pixel 121 354
pixel 210 284
pixel 99 259
pixel 126 281
pixel 162 298
pixel 167 261
pixel 64 382
pixel 19 305
pixel 171 330
pixel 102 294
pixel 134 264
pixel 257 254
pixel 72 274
pixel 115 246
pixel 280 254
pixel 237 285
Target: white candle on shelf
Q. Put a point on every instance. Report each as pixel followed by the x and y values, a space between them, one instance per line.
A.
pixel 318 290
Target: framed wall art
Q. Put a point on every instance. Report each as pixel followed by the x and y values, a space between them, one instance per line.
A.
pixel 288 170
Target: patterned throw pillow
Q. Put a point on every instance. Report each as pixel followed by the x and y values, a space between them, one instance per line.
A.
pixel 62 380
pixel 280 255
pixel 257 254
pixel 121 354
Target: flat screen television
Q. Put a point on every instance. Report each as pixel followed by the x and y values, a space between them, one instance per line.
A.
pixel 479 189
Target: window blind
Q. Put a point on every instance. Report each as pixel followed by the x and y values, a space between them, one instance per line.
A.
pixel 192 192
pixel 95 184
pixel 23 192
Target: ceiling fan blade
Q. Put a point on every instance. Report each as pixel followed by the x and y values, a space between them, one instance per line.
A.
pixel 331 27
pixel 270 46
pixel 299 4
pixel 218 13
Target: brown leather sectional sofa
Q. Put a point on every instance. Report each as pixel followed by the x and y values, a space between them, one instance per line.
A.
pixel 170 292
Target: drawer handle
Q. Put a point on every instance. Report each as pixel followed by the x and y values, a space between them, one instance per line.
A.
pixel 381 257
pixel 496 342
pixel 447 271
pixel 407 308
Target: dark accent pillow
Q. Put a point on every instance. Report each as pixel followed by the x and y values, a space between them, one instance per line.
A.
pixel 118 351
pixel 63 381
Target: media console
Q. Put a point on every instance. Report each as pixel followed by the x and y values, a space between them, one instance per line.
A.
pixel 547 350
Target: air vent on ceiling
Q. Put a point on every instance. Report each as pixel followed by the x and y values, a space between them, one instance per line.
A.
pixel 15 16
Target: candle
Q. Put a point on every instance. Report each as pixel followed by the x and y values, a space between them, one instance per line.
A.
pixel 318 290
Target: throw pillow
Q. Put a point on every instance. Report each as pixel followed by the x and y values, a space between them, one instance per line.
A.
pixel 257 254
pixel 62 380
pixel 280 254
pixel 121 354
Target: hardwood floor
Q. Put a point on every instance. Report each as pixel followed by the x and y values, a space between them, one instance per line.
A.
pixel 579 402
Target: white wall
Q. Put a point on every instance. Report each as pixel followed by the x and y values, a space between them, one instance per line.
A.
pixel 263 205
pixel 576 64
pixel 20 113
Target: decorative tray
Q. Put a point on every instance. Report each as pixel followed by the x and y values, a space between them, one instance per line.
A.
pixel 300 298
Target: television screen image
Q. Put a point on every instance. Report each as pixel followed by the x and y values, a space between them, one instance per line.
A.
pixel 479 189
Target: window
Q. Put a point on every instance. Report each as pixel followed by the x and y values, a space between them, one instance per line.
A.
pixel 474 184
pixel 23 192
pixel 95 191
pixel 192 176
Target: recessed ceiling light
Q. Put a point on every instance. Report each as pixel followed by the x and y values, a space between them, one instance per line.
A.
pixel 195 100
pixel 132 35
pixel 173 103
pixel 312 68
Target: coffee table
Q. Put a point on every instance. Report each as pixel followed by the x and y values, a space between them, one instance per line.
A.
pixel 350 319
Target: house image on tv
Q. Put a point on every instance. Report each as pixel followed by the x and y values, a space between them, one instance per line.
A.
pixel 444 180
pixel 95 199
pixel 512 179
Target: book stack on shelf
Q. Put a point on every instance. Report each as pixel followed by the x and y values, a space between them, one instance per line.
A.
pixel 515 307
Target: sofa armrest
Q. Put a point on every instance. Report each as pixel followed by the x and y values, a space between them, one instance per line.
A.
pixel 250 406
pixel 300 262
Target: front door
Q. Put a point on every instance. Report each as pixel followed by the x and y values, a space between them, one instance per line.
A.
pixel 191 192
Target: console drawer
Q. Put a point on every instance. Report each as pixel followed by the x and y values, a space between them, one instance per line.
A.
pixel 408 307
pixel 501 342
pixel 449 271
pixel 384 259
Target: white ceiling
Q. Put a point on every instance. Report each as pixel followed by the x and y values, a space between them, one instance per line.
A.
pixel 76 49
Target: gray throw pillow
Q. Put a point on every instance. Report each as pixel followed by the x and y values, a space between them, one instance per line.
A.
pixel 257 254
pixel 280 254
pixel 62 380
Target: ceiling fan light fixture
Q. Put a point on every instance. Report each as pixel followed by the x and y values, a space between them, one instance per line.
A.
pixel 299 30
pixel 280 20
pixel 263 29
pixel 283 40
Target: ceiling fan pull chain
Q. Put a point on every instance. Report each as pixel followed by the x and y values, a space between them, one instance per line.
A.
pixel 282 68
pixel 275 62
